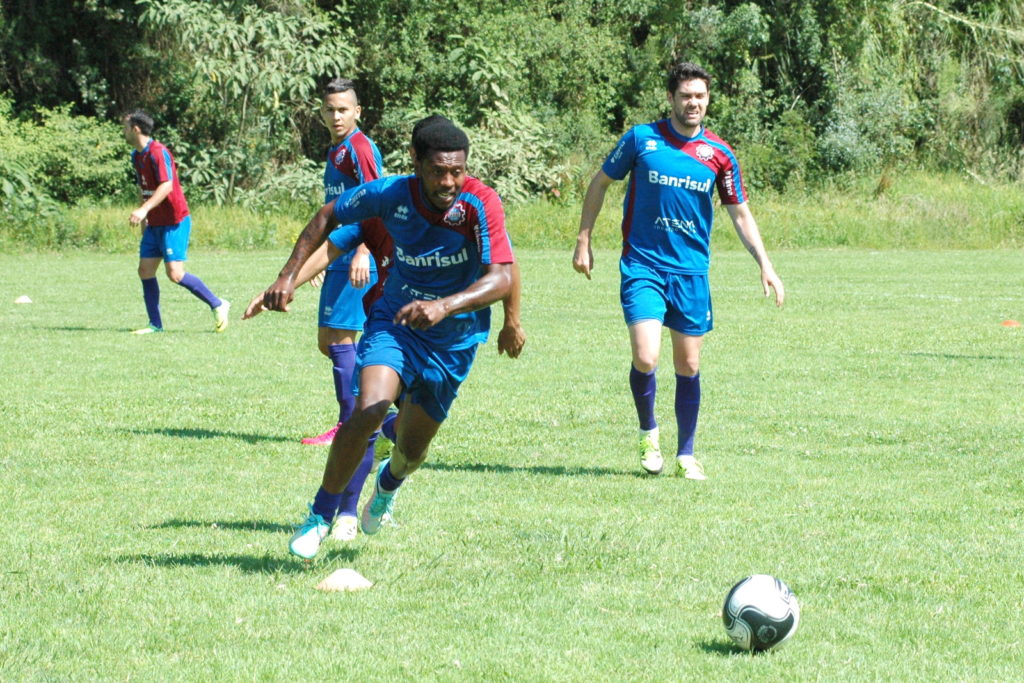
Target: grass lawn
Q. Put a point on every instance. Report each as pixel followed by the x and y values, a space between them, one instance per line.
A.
pixel 863 444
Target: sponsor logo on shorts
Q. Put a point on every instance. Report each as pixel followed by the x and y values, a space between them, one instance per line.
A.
pixel 686 183
pixel 432 260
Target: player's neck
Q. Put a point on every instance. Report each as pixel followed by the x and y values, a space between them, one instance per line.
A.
pixel 142 142
pixel 684 131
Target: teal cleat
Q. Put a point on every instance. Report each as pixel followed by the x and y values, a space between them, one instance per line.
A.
pixel 305 542
pixel 150 329
pixel 378 509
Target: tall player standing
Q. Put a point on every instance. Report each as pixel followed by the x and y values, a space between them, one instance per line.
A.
pixel 166 224
pixel 666 235
pixel 453 259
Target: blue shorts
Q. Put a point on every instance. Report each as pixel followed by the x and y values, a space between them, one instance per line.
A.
pixel 430 377
pixel 680 302
pixel 341 304
pixel 169 242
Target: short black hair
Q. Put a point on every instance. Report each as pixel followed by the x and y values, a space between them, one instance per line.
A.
pixel 686 71
pixel 141 119
pixel 336 85
pixel 438 134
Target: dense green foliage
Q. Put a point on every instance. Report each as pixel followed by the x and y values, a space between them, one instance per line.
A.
pixel 803 88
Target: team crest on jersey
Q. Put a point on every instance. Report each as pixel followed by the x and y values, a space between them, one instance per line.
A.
pixel 456 214
pixel 339 156
pixel 704 152
pixel 652 145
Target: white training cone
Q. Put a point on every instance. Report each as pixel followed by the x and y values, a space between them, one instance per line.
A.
pixel 23 299
pixel 348 580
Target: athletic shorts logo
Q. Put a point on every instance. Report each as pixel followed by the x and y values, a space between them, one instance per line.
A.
pixel 705 152
pixel 456 214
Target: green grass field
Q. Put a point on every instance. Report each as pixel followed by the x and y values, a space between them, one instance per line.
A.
pixel 863 444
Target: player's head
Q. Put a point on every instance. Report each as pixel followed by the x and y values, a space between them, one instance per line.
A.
pixel 439 151
pixel 689 88
pixel 137 124
pixel 340 108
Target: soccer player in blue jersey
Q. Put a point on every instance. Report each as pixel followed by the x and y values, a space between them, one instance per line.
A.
pixel 675 166
pixel 452 260
pixel 164 219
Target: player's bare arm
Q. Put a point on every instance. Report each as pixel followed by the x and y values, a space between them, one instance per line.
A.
pixel 492 286
pixel 512 338
pixel 359 269
pixel 750 235
pixel 314 266
pixel 583 258
pixel 279 295
pixel 159 194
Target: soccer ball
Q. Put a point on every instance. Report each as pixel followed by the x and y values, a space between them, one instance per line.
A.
pixel 760 612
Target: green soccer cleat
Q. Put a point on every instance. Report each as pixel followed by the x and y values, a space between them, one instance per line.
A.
pixel 379 508
pixel 305 542
pixel 650 452
pixel 150 329
pixel 220 316
pixel 689 467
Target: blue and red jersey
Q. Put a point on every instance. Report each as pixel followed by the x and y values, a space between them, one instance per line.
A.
pixel 155 165
pixel 353 161
pixel 436 253
pixel 668 209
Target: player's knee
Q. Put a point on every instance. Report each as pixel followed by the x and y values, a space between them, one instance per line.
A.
pixel 325 347
pixel 175 276
pixel 688 367
pixel 645 363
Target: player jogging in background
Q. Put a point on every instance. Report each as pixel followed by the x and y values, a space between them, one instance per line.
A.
pixel 453 258
pixel 675 166
pixel 165 222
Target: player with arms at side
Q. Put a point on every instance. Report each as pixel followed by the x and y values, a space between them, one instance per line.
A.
pixel 164 219
pixel 453 259
pixel 674 165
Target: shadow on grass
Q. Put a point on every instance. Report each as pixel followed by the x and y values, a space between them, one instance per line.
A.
pixel 251 564
pixel 551 470
pixel 723 648
pixel 208 434
pixel 958 356
pixel 251 525
pixel 83 328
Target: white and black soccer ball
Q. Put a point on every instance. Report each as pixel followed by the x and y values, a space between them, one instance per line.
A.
pixel 760 612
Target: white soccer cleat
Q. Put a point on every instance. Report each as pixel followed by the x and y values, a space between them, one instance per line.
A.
pixel 305 542
pixel 345 528
pixel 220 316
pixel 690 468
pixel 650 452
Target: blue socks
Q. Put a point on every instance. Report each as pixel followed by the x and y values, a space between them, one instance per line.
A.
pixel 389 429
pixel 350 496
pixel 326 504
pixel 343 356
pixel 687 407
pixel 196 286
pixel 644 386
pixel 387 481
pixel 151 295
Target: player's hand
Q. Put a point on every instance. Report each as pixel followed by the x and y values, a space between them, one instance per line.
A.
pixel 359 270
pixel 421 315
pixel 511 340
pixel 583 258
pixel 770 280
pixel 317 279
pixel 254 308
pixel 279 295
pixel 138 216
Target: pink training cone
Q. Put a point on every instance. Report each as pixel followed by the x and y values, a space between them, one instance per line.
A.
pixel 1011 323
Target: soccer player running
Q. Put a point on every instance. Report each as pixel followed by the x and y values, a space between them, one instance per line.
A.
pixel 165 222
pixel 453 259
pixel 666 233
